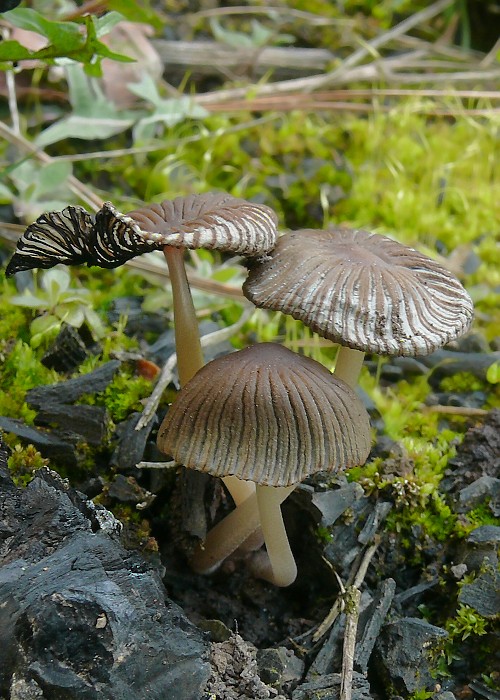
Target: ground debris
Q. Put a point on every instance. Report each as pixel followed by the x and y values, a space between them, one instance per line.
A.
pixel 235 673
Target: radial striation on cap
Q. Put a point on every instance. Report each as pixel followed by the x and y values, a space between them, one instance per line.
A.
pixel 362 290
pixel 212 220
pixel 268 415
pixel 55 237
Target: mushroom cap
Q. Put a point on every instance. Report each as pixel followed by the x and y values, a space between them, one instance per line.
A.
pixel 55 237
pixel 211 220
pixel 116 239
pixel 362 290
pixel 268 415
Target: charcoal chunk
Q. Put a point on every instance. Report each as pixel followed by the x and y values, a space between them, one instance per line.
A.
pixel 72 389
pixel 80 616
pixel 404 653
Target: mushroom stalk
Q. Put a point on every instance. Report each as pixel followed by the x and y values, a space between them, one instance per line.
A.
pixel 187 338
pixel 283 570
pixel 188 347
pixel 348 365
pixel 230 533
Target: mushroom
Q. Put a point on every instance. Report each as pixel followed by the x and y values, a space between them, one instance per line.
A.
pixel 214 220
pixel 363 290
pixel 270 416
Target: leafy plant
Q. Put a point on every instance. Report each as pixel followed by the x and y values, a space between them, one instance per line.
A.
pixel 93 116
pixel 78 41
pixel 58 304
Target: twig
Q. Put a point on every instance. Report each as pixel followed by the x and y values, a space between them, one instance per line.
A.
pixel 156 465
pixel 77 187
pixel 352 597
pixel 211 286
pixel 172 144
pixel 355 579
pixel 318 81
pixel 167 372
pixel 309 17
pixel 456 410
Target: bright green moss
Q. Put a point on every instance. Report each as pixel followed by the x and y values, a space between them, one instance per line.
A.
pixel 21 371
pixel 462 382
pixel 123 395
pixel 23 461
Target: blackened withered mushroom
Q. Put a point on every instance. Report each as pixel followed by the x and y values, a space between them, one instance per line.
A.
pixel 270 416
pixel 363 290
pixel 55 237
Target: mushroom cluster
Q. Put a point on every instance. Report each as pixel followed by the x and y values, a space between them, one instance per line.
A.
pixel 265 418
pixel 271 417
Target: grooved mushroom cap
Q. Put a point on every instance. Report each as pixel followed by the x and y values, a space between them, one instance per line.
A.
pixel 55 237
pixel 361 290
pixel 268 415
pixel 213 220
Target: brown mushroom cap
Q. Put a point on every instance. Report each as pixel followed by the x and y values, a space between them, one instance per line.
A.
pixel 212 220
pixel 362 290
pixel 268 415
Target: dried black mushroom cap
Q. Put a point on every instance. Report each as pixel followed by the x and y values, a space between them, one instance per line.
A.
pixel 267 415
pixel 116 239
pixel 55 237
pixel 75 237
pixel 211 220
pixel 363 290
pixel 271 416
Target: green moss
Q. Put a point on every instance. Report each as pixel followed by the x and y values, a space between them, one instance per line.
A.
pixel 23 461
pixel 463 382
pixel 481 515
pixel 21 371
pixel 122 396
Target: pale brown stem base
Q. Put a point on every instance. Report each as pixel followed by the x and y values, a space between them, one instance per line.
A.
pixel 348 365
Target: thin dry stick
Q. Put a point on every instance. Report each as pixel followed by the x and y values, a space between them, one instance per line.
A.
pixel 354 580
pixel 352 598
pixel 83 192
pixel 254 10
pixel 456 410
pixel 318 81
pixel 167 372
pixel 211 286
pixel 173 143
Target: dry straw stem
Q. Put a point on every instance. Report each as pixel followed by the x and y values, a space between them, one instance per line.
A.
pixel 84 193
pixel 356 578
pixel 352 596
pixel 320 81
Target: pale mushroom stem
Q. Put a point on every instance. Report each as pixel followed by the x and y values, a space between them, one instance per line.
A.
pixel 348 365
pixel 234 530
pixel 187 344
pixel 187 337
pixel 283 570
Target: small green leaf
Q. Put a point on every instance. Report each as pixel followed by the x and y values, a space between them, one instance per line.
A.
pixel 57 32
pixel 103 25
pixel 55 281
pixel 42 326
pixel 493 373
pixel 29 301
pixel 13 51
pixel 72 316
pixel 94 322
